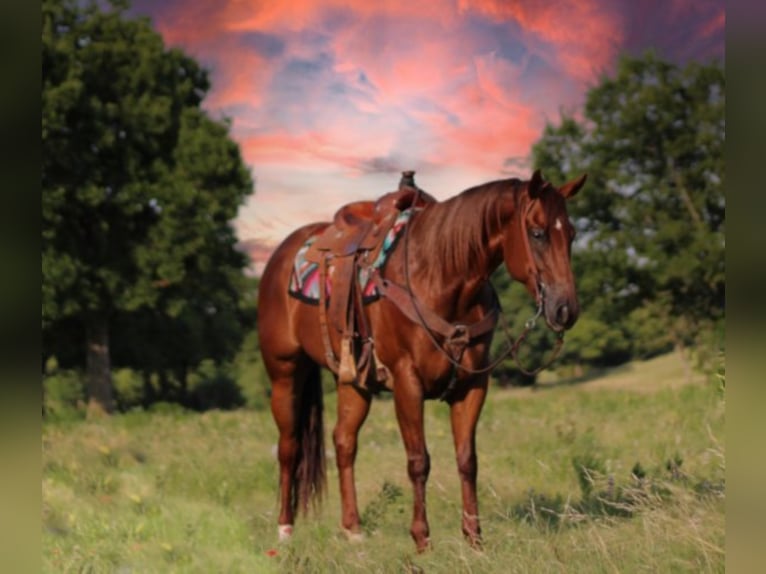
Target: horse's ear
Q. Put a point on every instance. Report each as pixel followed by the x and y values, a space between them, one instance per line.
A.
pixel 535 186
pixel 570 188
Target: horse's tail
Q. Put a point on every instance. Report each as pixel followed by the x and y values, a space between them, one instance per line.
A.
pixel 310 475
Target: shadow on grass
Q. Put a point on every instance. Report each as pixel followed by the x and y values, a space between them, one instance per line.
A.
pixel 553 512
pixel 603 498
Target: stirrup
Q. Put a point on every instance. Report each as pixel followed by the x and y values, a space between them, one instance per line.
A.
pixel 347 368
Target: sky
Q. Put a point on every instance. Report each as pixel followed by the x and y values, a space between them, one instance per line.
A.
pixel 331 99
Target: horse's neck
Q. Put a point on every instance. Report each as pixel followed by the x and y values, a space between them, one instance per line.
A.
pixel 459 244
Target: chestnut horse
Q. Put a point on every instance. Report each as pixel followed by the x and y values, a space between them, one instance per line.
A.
pixel 451 248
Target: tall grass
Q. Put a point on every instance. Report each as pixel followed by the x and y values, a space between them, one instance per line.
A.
pixel 622 474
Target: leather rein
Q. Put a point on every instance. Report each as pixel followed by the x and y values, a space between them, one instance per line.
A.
pixel 458 335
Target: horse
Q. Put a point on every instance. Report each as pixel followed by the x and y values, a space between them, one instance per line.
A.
pixel 443 264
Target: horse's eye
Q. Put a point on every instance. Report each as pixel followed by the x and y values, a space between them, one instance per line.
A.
pixel 537 233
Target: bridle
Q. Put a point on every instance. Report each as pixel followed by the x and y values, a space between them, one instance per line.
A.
pixel 460 338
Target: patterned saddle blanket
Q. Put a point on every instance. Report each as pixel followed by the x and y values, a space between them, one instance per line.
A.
pixel 304 279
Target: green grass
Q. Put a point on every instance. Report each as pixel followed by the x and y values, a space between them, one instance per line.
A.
pixel 621 474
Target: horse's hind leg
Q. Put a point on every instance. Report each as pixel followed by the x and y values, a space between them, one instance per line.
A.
pixel 296 389
pixel 353 407
pixel 287 449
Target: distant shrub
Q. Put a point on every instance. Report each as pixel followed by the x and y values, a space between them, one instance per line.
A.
pixel 250 373
pixel 254 384
pixel 212 386
pixel 166 408
pixel 710 353
pixel 128 388
pixel 64 395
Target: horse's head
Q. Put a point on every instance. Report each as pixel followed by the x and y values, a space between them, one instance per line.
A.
pixel 538 246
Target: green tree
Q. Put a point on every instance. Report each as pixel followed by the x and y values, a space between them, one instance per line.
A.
pixel 518 307
pixel 139 183
pixel 649 257
pixel 171 348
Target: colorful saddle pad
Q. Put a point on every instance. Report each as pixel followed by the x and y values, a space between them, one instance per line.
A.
pixel 304 279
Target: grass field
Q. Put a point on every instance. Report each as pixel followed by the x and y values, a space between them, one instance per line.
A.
pixel 624 473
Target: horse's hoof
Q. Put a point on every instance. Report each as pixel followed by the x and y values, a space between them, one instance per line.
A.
pixel 285 532
pixel 353 536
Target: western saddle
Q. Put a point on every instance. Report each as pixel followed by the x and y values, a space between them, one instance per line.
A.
pixel 352 242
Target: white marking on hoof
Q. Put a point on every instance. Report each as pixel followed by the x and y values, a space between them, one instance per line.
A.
pixel 353 536
pixel 285 532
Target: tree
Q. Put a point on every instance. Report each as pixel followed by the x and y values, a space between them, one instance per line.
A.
pixel 172 347
pixel 650 250
pixel 517 308
pixel 139 184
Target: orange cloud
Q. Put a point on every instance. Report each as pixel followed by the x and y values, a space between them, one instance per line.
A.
pixel 493 127
pixel 420 64
pixel 257 250
pixel 336 147
pixel 300 14
pixel 584 35
pixel 329 97
pixel 190 24
pixel 240 84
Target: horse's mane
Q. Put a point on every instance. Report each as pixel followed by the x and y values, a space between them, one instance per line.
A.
pixel 459 228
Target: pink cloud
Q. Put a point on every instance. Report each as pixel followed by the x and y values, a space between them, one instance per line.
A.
pixel 299 14
pixel 189 24
pixel 493 127
pixel 335 147
pixel 329 97
pixel 432 84
pixel 241 84
pixel 714 25
pixel 258 252
pixel 584 35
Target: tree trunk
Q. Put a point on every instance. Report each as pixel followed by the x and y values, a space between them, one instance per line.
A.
pixel 99 372
pixel 150 397
pixel 164 386
pixel 42 381
pixel 183 381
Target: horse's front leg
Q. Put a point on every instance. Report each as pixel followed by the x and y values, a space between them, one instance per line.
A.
pixel 353 407
pixel 464 413
pixel 408 401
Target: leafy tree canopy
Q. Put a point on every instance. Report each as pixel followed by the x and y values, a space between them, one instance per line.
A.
pixel 139 183
pixel 649 257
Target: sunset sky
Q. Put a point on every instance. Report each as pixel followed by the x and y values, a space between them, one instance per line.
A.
pixel 331 99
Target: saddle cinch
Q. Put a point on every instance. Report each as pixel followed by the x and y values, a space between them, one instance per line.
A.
pixel 352 241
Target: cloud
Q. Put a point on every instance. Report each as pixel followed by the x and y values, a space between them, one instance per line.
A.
pixel 257 252
pixel 714 25
pixel 331 99
pixel 355 83
pixel 582 35
pixel 679 30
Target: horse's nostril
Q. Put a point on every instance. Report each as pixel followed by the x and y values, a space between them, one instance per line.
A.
pixel 562 315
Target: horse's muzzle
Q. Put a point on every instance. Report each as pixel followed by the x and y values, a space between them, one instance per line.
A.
pixel 562 315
